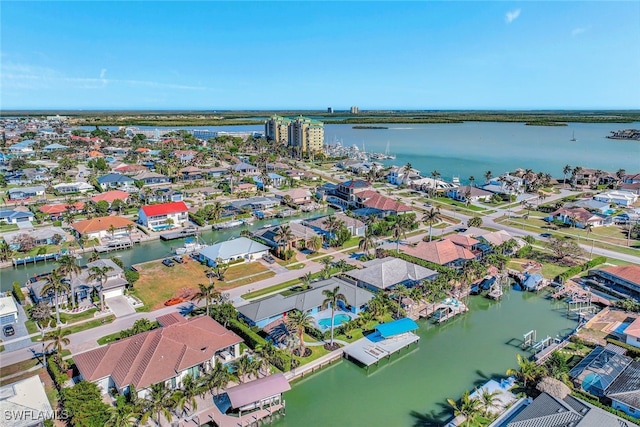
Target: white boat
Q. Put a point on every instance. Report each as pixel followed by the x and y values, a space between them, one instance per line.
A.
pixel 228 224
pixel 190 246
pixel 573 137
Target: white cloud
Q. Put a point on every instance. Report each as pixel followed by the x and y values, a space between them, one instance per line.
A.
pixel 512 16
pixel 577 31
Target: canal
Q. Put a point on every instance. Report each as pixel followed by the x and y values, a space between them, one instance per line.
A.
pixel 413 387
pixel 148 251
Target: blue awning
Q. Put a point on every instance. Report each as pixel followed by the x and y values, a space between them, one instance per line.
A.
pixel 396 327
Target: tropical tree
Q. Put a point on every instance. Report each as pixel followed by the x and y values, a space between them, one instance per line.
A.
pixel 398 231
pixel 331 298
pixel 468 408
pixel 56 285
pixel 216 378
pixel 349 326
pixel 476 221
pixel 333 224
pixel 434 175
pixel 186 396
pixel 124 414
pixel 488 175
pixel 67 266
pixel 528 371
pixel 565 170
pixel 488 399
pixel 298 321
pixel 315 243
pixel 100 274
pixel 557 366
pixel 430 218
pixel 40 313
pixel 245 367
pixel 159 402
pixel 267 354
pixel 57 340
pixel 471 180
pixel 206 293
pixel 367 242
pixel 283 237
pixel 130 228
pixel 5 251
pixel 401 292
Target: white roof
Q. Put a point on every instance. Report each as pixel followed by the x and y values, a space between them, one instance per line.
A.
pixel 7 306
pixel 22 397
pixel 233 248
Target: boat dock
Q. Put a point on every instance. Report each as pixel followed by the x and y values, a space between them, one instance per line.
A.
pixel 187 232
pixel 113 246
pixel 440 311
pixel 388 339
pixel 34 259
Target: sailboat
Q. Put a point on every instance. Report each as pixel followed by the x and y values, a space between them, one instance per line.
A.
pixel 387 155
pixel 573 137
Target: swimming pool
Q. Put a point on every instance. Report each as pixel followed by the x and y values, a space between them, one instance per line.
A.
pixel 338 320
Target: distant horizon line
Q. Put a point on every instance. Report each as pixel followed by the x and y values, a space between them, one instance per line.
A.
pixel 6 112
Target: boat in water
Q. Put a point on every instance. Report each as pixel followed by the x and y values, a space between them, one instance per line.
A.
pixel 573 137
pixel 228 224
pixel 191 245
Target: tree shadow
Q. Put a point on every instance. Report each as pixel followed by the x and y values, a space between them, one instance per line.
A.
pixel 434 418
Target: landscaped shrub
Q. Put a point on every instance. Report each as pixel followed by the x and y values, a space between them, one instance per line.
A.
pixel 59 378
pixel 570 272
pixel 57 223
pixel 17 292
pixel 131 276
pixel 197 219
pixel 524 252
pixel 596 402
pixel 250 338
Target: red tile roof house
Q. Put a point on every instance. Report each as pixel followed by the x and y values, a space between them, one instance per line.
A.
pixel 56 210
pixel 164 216
pixel 180 347
pixel 443 252
pixel 581 216
pixel 380 205
pixel 624 279
pixel 632 333
pixel 111 196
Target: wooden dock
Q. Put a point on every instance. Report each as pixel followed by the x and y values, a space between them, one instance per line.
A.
pixel 187 232
pixel 443 311
pixel 369 352
pixel 113 246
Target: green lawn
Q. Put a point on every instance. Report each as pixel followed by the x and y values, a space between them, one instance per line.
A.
pixel 8 227
pixel 462 206
pixel 91 324
pixel 108 338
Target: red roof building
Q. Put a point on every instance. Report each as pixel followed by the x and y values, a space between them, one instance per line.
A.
pixel 164 215
pixel 374 200
pixel 111 196
pixel 60 208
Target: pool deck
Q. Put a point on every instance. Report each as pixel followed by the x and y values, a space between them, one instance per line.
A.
pixel 373 348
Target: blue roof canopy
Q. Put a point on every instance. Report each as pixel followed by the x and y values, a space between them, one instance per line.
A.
pixel 396 327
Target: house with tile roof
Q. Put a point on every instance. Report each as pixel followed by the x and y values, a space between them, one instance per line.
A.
pixel 624 279
pixel 271 309
pixel 443 252
pixel 632 333
pixel 345 193
pixel 55 210
pixel 164 215
pixel 385 273
pixel 625 391
pixel 180 347
pixel 111 196
pixel 577 217
pixel 370 202
pixel 299 196
pixel 101 226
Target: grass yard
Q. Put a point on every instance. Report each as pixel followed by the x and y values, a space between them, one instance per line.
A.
pixel 90 324
pixel 18 367
pixel 8 227
pixel 549 270
pixel 244 281
pixel 241 270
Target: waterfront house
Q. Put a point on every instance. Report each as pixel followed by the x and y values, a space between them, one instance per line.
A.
pixel 346 192
pixel 267 310
pixel 443 252
pixel 299 196
pixel 253 203
pixel 622 198
pixel 475 246
pixel 557 411
pixel 178 348
pixel 163 216
pixel 599 369
pixel 115 180
pixel 632 333
pixel 577 217
pixel 354 225
pixel 624 279
pixel 25 193
pixel 592 206
pixel 14 216
pixel 56 210
pixel 25 403
pixel 241 248
pixel 371 202
pixel 505 185
pixel 111 196
pixel 97 228
pixel 467 192
pixel 624 392
pixel 8 310
pixel 40 236
pixel 386 273
pixel 301 235
pixel 73 187
pixel 402 175
pixel 151 178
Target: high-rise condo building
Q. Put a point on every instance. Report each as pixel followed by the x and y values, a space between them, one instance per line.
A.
pixel 354 110
pixel 277 129
pixel 307 134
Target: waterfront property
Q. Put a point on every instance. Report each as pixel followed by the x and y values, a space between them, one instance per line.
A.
pixel 501 390
pixel 371 202
pixel 300 235
pixel 262 393
pixel 111 196
pixel 443 252
pixel 114 226
pixel 37 236
pixel 469 193
pixel 241 248
pixel 622 198
pixel 624 392
pixel 386 273
pixel 180 347
pixel 577 217
pixel 298 196
pixel 164 216
pixel 387 339
pixel 599 369
pixel 56 210
pixel 623 279
pixel 271 309
pixel 24 403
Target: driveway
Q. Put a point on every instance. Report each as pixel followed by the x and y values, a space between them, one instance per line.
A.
pixel 120 306
pixel 25 225
pixel 13 342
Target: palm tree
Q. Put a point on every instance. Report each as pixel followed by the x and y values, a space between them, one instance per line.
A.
pixel 57 340
pixel 488 175
pixel 112 230
pixel 398 231
pixel 565 170
pixel 331 298
pixel 471 180
pixel 367 242
pixel 488 399
pixel 5 251
pixel 528 370
pixel 100 274
pixel 468 408
pixel 243 367
pixel 434 175
pixel 298 321
pixel 333 224
pixel 56 285
pixel 160 402
pixel 430 218
pixel 267 353
pixel 187 394
pixel 206 293
pixel 130 228
pixel 124 414
pixel 67 266
pixel 315 243
pixel 215 379
pixel 283 236
pixel 401 291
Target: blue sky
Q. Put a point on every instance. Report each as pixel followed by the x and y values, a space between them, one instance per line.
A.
pixel 308 55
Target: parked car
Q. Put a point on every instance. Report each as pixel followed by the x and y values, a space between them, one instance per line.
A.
pixel 545 235
pixel 428 205
pixel 173 301
pixel 168 262
pixel 178 259
pixel 460 230
pixel 268 258
pixel 8 330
